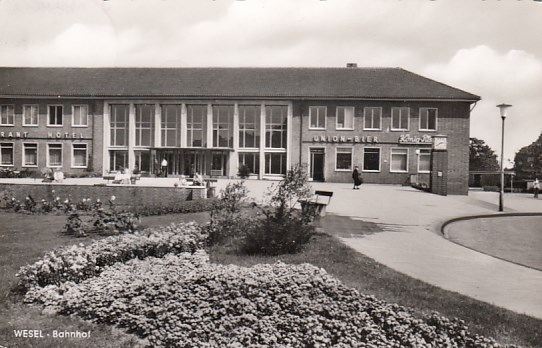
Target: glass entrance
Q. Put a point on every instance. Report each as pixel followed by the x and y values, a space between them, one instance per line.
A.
pixel 218 164
pixel 317 163
pixel 194 162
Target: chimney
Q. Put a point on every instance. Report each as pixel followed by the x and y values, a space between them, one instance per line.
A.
pixel 351 65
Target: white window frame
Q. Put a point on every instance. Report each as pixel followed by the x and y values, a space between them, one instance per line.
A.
pixel 310 116
pixel 379 160
pixel 365 109
pixel 401 115
pixel 37 114
pixel 24 156
pixel 73 155
pixel 49 116
pixel 391 159
pixel 12 154
pixel 426 152
pixel 267 169
pixel 436 120
pixel 61 155
pixel 7 106
pixel 351 159
pixel 337 117
pixel 73 116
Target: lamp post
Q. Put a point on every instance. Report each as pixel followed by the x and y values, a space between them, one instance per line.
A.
pixel 503 109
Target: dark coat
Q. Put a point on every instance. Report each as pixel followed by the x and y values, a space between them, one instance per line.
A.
pixel 357 178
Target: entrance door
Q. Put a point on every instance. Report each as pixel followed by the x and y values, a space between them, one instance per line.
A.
pixel 193 162
pixel 317 162
pixel 218 164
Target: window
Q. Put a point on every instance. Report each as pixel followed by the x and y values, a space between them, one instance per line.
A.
pixel 7 115
pixel 30 155
pixel 79 155
pixel 118 159
pixel 222 126
pixel 30 115
pixel 143 161
pixel 251 160
pixel 55 116
pixel 343 158
pixel 249 126
pixel 196 122
pixel 371 159
pixel 428 119
pixel 6 154
pixel 80 116
pixel 54 155
pixel 276 126
pixel 275 163
pixel 119 125
pixel 424 161
pixel 170 125
pixel 345 117
pixel 144 125
pixel 317 117
pixel 372 118
pixel 399 160
pixel 399 118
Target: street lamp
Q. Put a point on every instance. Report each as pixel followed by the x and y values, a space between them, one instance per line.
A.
pixel 503 108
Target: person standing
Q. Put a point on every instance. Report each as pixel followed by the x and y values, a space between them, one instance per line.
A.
pixel 164 167
pixel 357 178
pixel 536 187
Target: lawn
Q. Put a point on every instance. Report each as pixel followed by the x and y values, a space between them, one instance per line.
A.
pixel 25 238
pixel 514 238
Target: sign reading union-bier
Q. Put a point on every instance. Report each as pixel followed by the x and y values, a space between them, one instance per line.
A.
pixel 344 139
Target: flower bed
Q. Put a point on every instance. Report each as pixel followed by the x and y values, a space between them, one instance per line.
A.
pixel 185 301
pixel 79 262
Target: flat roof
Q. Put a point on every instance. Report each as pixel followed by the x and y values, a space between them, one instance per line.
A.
pixel 280 83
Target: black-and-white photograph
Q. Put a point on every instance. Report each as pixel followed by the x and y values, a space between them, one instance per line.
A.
pixel 270 173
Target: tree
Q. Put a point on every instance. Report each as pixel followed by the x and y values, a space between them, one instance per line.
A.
pixel 528 160
pixel 481 156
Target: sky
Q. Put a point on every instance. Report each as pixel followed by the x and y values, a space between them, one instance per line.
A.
pixel 491 48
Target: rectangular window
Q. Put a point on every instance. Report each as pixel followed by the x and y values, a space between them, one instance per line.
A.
pixel 399 160
pixel 424 161
pixel 7 115
pixel 55 118
pixel 249 126
pixel 170 125
pixel 54 155
pixel 196 123
pixel 222 125
pixel 251 160
pixel 30 115
pixel 275 163
pixel 80 116
pixel 143 161
pixel 345 117
pixel 428 119
pixel 118 160
pixel 119 125
pixel 343 158
pixel 372 118
pixel 30 155
pixel 6 154
pixel 79 155
pixel 276 118
pixel 144 125
pixel 317 117
pixel 371 159
pixel 399 118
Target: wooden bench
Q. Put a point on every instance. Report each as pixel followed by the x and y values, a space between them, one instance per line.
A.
pixel 216 172
pixel 317 203
pixel 112 177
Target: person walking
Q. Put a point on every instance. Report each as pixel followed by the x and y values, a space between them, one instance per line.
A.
pixel 536 187
pixel 164 167
pixel 357 178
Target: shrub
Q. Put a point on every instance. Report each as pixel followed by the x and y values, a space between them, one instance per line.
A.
pixel 196 206
pixel 244 171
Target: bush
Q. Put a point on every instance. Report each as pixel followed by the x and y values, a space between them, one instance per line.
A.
pixel 244 171
pixel 185 207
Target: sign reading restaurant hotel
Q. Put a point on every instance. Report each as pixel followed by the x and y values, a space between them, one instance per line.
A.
pixel 50 135
pixel 344 139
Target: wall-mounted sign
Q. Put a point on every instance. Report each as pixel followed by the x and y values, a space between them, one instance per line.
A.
pixel 344 139
pixel 65 135
pixel 13 134
pixel 408 139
